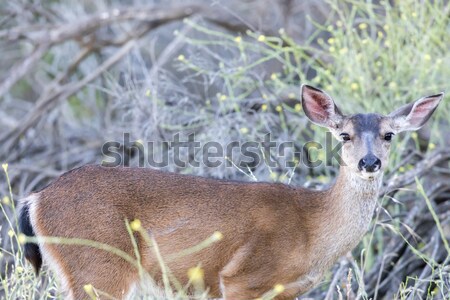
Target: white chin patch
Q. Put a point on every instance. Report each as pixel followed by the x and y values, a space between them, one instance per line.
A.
pixel 369 175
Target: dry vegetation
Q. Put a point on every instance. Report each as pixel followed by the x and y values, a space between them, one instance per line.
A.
pixel 75 74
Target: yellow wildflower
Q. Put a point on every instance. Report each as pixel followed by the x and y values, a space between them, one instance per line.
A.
pixel 217 236
pixel 6 200
pixel 136 225
pixel 22 238
pixel 278 288
pixel 196 274
pixel 244 130
pixel 362 26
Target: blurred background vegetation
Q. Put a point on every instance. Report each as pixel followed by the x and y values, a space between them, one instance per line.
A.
pixel 76 74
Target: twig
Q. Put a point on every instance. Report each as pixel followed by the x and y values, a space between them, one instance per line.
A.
pixel 421 168
pixel 21 69
pixel 59 33
pixel 62 93
pixel 337 275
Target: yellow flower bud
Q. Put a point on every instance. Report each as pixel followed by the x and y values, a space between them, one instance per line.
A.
pixel 89 289
pixel 278 288
pixel 362 26
pixel 6 200
pixel 217 236
pixel 196 274
pixel 22 238
pixel 136 225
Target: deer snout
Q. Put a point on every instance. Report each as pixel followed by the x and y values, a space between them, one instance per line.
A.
pixel 369 163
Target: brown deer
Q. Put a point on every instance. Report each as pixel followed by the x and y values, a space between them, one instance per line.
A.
pixel 273 234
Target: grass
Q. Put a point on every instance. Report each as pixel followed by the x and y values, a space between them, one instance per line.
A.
pixel 369 57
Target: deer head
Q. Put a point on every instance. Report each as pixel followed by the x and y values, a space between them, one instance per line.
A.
pixel 366 138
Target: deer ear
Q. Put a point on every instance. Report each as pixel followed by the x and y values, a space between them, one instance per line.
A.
pixel 412 116
pixel 320 108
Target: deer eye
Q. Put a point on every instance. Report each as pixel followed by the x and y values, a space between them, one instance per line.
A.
pixel 345 137
pixel 388 136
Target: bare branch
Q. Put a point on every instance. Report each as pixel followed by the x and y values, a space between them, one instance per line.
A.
pixel 420 169
pixel 61 93
pixel 22 68
pixel 47 37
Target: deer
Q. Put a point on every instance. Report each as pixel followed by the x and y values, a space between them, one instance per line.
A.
pixel 272 234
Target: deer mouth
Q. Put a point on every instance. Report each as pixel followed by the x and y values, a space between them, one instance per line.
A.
pixel 369 175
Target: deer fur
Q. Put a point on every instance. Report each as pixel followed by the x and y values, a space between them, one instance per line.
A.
pixel 272 233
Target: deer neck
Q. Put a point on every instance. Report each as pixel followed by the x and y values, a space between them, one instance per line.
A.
pixel 345 215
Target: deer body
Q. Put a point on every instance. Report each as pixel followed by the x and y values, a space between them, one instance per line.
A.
pixel 272 233
pixel 290 233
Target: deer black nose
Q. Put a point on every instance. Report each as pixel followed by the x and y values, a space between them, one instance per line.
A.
pixel 369 163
